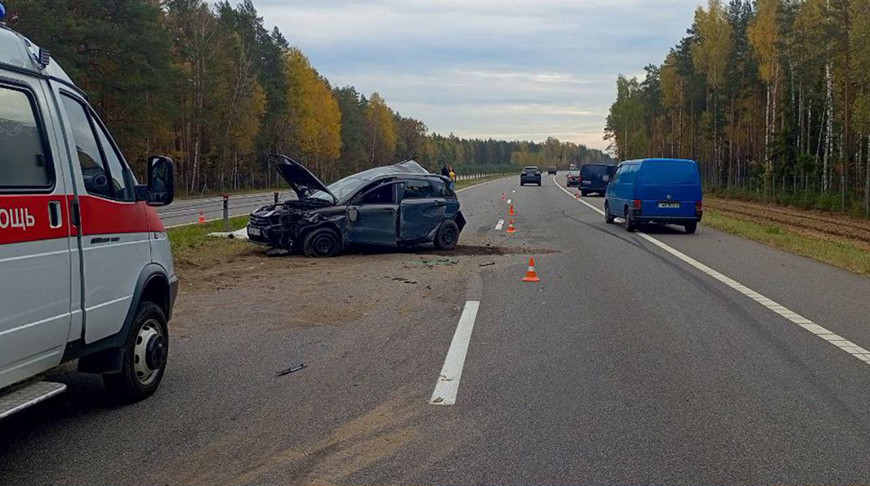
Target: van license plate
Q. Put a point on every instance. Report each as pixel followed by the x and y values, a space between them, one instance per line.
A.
pixel 587 182
pixel 669 205
pixel 254 231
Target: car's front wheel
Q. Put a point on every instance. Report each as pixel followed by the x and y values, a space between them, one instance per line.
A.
pixel 447 236
pixel 322 243
pixel 144 356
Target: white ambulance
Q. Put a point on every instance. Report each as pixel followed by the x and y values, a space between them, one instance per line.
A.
pixel 85 266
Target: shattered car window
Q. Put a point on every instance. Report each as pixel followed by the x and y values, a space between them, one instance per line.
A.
pixel 381 195
pixel 341 188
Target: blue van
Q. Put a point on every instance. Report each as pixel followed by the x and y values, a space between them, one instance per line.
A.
pixel 665 191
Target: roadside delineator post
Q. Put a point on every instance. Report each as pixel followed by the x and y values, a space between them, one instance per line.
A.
pixel 531 274
pixel 226 213
pixel 511 213
pixel 201 219
pixel 511 229
pixel 276 197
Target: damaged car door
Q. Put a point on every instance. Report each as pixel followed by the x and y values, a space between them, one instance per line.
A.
pixel 372 216
pixel 421 212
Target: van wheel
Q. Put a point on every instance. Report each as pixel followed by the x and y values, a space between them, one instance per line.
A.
pixel 144 356
pixel 321 243
pixel 629 222
pixel 447 236
pixel 608 218
pixel 691 228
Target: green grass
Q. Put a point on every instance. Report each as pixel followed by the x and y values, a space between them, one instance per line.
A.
pixel 191 244
pixel 842 255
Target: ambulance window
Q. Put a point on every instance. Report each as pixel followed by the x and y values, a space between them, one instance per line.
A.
pixel 94 173
pixel 123 190
pixel 23 162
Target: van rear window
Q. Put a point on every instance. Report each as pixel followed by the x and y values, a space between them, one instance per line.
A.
pixel 669 173
pixel 598 170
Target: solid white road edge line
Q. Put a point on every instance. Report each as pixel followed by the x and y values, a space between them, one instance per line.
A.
pixel 448 381
pixel 794 317
pixel 499 225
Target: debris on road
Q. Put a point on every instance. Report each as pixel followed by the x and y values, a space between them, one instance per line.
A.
pixel 292 369
pixel 432 262
pixel 487 264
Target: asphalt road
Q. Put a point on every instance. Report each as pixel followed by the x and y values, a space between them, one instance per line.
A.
pixel 626 364
pixel 186 211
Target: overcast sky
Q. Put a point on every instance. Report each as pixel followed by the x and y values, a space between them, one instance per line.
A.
pixel 505 69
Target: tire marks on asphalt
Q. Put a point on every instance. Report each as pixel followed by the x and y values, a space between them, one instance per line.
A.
pixel 808 325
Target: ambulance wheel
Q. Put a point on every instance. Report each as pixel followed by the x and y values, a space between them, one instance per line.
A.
pixel 144 356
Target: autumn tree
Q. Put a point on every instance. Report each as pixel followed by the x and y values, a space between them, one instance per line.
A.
pixel 380 131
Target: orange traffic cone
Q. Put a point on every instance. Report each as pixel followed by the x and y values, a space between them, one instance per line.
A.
pixel 531 274
pixel 201 217
pixel 511 229
pixel 511 213
pixel 578 195
pixel 502 196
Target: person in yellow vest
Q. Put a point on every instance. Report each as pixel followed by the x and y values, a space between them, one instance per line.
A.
pixel 452 177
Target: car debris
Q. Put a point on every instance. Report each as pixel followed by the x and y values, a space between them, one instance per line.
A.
pixel 401 205
pixel 487 264
pixel 292 369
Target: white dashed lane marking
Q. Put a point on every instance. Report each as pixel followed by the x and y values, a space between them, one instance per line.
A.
pixel 447 386
pixel 832 338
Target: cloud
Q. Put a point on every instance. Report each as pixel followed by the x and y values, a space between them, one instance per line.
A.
pixel 487 68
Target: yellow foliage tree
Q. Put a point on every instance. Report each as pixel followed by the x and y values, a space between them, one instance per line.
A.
pixel 380 131
pixel 314 119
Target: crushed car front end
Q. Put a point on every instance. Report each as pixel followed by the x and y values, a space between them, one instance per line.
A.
pixel 283 225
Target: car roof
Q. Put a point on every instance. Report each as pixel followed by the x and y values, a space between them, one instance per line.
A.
pixel 19 52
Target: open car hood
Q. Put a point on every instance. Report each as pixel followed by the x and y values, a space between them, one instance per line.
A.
pixel 300 179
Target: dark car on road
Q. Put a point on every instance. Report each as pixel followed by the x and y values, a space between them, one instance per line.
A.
pixel 573 178
pixel 552 170
pixel 664 191
pixel 595 177
pixel 531 175
pixel 393 206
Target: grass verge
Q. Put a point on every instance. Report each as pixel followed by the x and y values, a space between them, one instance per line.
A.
pixel 191 245
pixel 842 255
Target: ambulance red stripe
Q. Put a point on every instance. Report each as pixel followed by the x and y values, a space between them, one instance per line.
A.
pixel 25 218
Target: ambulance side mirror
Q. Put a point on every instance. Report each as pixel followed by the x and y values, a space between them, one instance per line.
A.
pixel 161 181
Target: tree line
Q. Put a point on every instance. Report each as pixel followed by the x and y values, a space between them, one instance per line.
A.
pixel 209 85
pixel 771 97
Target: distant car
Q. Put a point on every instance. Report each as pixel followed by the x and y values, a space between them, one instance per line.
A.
pixel 595 177
pixel 394 206
pixel 573 178
pixel 665 191
pixel 531 175
pixel 552 170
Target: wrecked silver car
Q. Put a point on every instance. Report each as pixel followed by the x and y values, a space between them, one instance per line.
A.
pixel 396 205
